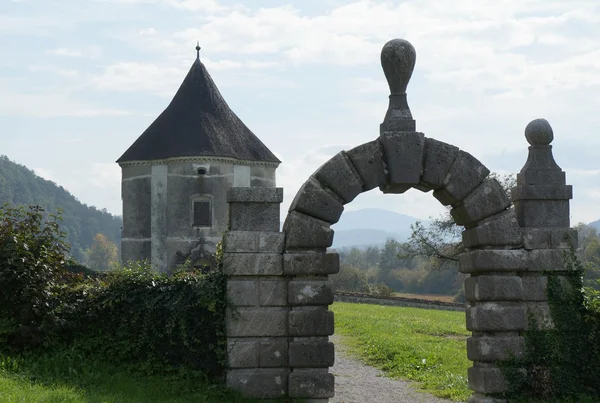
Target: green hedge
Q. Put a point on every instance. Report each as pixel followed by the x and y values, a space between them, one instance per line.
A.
pixel 132 315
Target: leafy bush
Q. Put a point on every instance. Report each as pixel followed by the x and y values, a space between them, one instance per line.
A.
pixel 32 255
pixel 78 268
pixel 153 321
pixel 382 290
pixel 131 315
pixel 350 279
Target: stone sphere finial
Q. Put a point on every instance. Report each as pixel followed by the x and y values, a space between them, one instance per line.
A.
pixel 398 58
pixel 539 133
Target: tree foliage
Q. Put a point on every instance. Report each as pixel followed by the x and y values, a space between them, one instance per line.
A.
pixel 382 270
pixel 80 223
pixel 589 243
pixel 441 239
pixel 32 252
pixel 103 253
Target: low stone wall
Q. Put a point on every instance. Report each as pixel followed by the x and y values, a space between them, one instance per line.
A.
pixel 359 298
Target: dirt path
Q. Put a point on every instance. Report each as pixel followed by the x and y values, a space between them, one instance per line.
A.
pixel 356 382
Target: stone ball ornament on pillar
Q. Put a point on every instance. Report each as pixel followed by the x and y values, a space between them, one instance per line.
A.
pixel 541 197
pixel 398 58
pixel 539 133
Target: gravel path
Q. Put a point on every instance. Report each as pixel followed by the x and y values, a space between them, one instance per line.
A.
pixel 356 382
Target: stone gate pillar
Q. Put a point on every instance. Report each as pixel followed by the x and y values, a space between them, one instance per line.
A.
pixel 508 258
pixel 541 200
pixel 257 324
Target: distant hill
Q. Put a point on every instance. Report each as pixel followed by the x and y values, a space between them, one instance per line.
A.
pixel 595 224
pixel 21 186
pixel 371 227
pixel 363 237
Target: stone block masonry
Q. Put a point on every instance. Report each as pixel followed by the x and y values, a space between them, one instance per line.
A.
pixel 257 322
pixel 278 325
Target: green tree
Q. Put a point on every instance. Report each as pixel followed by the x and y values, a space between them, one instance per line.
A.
pixel 389 256
pixel 350 279
pixel 589 244
pixel 33 253
pixel 440 241
pixel 355 258
pixel 103 254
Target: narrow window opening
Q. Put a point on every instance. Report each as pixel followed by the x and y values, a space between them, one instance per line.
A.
pixel 202 214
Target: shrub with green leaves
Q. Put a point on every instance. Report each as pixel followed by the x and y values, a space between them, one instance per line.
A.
pixel 155 322
pixel 32 255
pixel 132 315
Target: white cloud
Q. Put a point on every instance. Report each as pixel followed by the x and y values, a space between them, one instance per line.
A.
pixel 134 76
pixel 448 43
pixel 192 5
pixel 49 103
pixel 476 52
pixel 148 31
pixel 196 5
pixel 164 80
pixel 65 52
pixel 28 26
pixel 90 52
pixel 104 176
pixel 44 173
pixel 69 73
pixel 93 184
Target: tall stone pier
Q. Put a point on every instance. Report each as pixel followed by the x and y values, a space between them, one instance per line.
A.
pixel 507 287
pixel 257 324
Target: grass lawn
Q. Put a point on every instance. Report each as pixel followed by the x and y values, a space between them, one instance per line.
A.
pixel 423 345
pixel 59 378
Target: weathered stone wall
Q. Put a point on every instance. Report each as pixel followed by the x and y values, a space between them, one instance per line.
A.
pixel 157 205
pixel 257 323
pixel 136 196
pixel 507 249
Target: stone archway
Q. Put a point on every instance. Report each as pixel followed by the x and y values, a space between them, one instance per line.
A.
pixel 278 344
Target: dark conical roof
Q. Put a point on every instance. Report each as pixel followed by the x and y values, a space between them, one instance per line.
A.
pixel 198 122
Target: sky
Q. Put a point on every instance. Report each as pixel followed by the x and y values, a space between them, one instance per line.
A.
pixel 80 80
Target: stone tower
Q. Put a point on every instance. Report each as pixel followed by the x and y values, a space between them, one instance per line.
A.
pixel 176 175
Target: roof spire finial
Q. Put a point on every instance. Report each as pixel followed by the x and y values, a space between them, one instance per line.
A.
pixel 198 49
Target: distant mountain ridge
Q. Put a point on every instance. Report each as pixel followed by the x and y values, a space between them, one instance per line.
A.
pixel 371 226
pixel 19 185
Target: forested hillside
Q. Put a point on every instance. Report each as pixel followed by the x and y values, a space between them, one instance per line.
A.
pixel 21 186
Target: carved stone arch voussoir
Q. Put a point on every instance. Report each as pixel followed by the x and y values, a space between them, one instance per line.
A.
pixel 455 176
